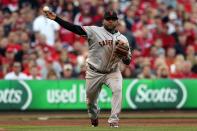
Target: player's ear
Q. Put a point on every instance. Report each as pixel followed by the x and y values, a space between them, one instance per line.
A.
pixel 104 22
pixel 118 22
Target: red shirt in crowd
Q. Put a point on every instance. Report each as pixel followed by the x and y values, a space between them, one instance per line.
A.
pixel 66 36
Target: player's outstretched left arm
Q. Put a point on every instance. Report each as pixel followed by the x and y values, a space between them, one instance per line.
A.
pixel 67 25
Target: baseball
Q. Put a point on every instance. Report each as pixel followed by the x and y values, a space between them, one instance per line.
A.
pixel 45 8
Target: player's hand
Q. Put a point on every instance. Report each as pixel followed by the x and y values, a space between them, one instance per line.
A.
pixel 49 14
pixel 122 49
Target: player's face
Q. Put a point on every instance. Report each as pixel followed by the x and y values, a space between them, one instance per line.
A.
pixel 110 23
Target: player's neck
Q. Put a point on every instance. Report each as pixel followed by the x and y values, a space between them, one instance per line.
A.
pixel 112 31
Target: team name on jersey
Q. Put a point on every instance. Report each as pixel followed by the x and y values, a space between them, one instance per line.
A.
pixel 106 42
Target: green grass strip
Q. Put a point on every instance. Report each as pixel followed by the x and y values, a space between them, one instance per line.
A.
pixel 85 128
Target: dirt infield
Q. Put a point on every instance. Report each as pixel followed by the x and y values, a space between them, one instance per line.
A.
pixel 103 122
pixel 172 118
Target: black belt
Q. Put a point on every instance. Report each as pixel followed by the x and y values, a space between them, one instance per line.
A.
pixel 98 71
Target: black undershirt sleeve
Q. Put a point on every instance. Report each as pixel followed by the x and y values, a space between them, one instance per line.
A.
pixel 71 27
pixel 126 60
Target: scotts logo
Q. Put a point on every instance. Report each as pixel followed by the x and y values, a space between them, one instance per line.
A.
pixel 16 95
pixel 156 94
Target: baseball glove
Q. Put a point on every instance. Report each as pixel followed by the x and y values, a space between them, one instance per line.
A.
pixel 121 49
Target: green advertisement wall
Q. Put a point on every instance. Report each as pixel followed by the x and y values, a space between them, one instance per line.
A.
pixel 71 94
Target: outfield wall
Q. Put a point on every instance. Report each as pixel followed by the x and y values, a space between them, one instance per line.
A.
pixel 70 94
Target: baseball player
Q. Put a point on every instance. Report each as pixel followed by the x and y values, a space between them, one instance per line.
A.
pixel 107 48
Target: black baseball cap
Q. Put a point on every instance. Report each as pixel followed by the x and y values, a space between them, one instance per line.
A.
pixel 110 15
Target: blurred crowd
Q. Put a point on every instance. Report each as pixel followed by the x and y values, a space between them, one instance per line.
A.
pixel 162 35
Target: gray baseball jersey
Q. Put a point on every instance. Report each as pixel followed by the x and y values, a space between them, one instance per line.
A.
pixel 101 47
pixel 101 57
